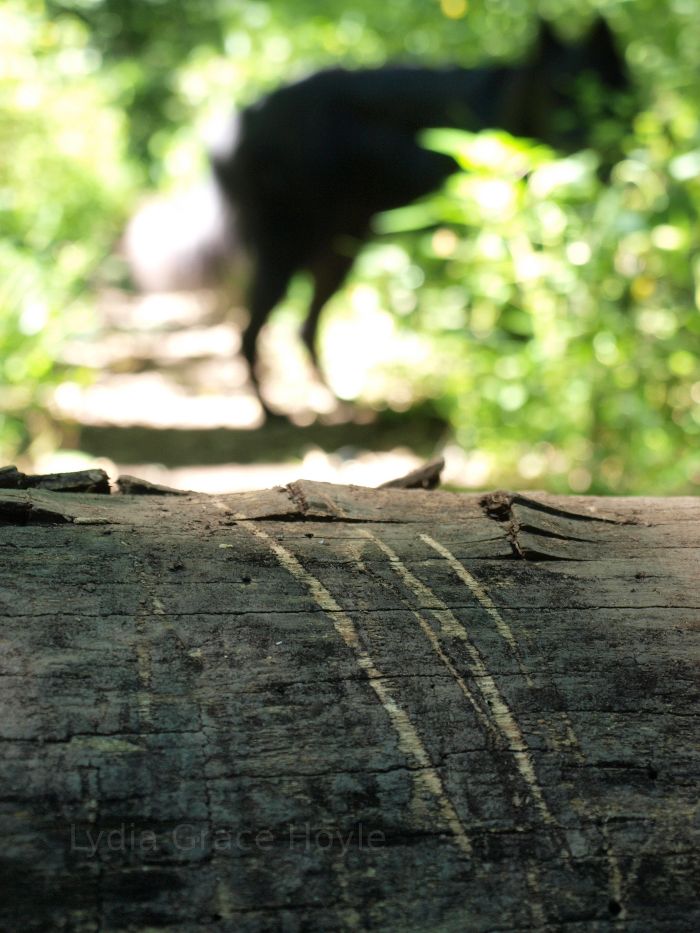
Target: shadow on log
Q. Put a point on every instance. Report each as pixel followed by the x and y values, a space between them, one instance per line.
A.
pixel 334 708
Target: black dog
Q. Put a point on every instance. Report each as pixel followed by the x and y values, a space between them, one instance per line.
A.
pixel 308 167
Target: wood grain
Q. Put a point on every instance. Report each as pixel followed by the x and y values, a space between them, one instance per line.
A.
pixel 334 708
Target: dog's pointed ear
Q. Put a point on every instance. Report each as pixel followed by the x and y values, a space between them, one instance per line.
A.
pixel 547 39
pixel 604 55
pixel 600 34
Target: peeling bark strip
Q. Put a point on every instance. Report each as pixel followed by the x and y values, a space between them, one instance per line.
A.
pixel 332 708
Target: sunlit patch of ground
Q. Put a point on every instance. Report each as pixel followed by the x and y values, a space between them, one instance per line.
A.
pixel 366 469
pixel 173 362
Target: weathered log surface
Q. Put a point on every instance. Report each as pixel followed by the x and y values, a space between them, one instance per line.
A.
pixel 326 708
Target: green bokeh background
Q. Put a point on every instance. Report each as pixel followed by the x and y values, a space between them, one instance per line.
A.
pixel 558 314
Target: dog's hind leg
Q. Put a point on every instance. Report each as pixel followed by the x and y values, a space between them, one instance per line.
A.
pixel 268 286
pixel 328 271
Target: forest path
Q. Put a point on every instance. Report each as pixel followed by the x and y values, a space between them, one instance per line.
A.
pixel 171 402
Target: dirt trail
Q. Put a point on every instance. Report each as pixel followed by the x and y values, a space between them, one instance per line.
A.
pixel 171 402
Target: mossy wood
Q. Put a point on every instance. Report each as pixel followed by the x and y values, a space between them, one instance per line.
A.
pixel 333 708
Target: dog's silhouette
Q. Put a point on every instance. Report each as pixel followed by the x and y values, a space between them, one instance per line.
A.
pixel 315 161
pixel 305 169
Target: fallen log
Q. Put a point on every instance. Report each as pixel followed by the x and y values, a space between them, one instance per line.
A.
pixel 334 708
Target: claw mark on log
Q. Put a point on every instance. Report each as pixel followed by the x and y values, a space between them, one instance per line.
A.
pixel 477 704
pixel 535 897
pixel 615 881
pixel 352 917
pixel 143 657
pixel 502 716
pixel 478 591
pixel 144 660
pixel 571 739
pixel 223 899
pixel 410 741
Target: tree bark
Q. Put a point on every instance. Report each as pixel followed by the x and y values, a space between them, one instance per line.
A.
pixel 333 708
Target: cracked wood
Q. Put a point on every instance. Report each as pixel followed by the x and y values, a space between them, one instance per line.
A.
pixel 327 707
